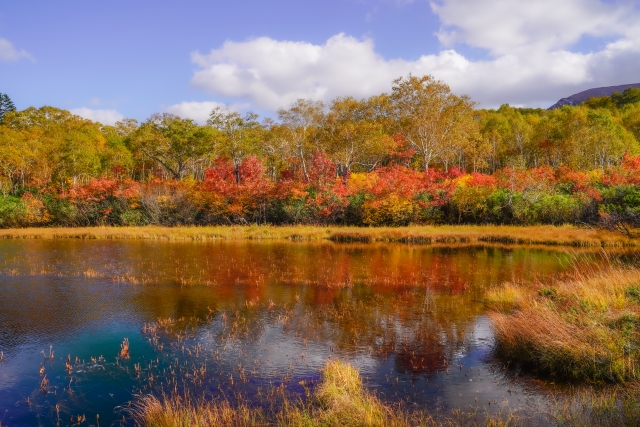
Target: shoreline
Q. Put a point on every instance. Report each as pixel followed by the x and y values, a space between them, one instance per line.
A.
pixel 451 235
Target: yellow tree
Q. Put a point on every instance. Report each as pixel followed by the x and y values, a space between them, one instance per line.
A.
pixel 353 135
pixel 631 120
pixel 69 147
pixel 432 119
pixel 300 124
pixel 18 157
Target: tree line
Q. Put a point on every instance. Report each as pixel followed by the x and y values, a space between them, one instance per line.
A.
pixel 419 154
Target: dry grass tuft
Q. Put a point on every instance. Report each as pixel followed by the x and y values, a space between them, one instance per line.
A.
pixel 582 327
pixel 339 400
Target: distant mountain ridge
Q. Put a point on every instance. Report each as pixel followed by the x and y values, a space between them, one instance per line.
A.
pixel 580 97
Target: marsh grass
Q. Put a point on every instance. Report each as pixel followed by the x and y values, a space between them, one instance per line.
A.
pixel 546 235
pixel 608 407
pixel 584 326
pixel 340 399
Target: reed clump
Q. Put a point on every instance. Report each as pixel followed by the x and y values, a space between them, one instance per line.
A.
pixel 124 350
pixel 339 400
pixel 584 327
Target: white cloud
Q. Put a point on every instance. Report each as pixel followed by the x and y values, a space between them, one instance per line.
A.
pixel 197 111
pixel 106 117
pixel 9 53
pixel 530 60
pixel 521 26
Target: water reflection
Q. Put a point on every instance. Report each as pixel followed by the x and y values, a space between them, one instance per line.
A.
pixel 244 317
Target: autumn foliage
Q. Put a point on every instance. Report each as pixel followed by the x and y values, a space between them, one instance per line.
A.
pixel 418 155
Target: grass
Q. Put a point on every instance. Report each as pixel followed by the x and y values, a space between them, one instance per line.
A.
pixel 438 235
pixel 582 327
pixel 611 407
pixel 339 400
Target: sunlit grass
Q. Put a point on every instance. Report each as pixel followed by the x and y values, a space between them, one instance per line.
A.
pixel 581 327
pixel 438 235
pixel 340 399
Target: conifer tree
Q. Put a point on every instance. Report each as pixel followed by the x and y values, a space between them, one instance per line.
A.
pixel 6 105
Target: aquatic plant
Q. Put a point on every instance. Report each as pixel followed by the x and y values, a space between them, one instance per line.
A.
pixel 124 350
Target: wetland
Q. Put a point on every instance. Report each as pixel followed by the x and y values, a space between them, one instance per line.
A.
pixel 90 327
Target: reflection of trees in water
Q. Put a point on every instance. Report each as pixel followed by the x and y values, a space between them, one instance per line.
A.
pixel 419 328
pixel 364 294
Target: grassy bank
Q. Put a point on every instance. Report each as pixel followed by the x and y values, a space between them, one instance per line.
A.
pixel 339 400
pixel 584 326
pixel 441 235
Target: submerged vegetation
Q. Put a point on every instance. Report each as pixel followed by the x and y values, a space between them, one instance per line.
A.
pixel 418 155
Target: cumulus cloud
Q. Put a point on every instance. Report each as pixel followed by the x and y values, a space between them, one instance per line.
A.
pixel 520 26
pixel 529 60
pixel 9 53
pixel 196 111
pixel 106 117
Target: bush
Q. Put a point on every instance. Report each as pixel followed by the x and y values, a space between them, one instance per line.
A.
pixel 12 211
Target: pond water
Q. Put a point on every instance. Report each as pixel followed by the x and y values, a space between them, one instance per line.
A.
pixel 242 319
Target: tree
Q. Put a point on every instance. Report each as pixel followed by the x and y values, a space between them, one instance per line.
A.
pixel 353 134
pixel 238 136
pixel 65 147
pixel 432 119
pixel 6 105
pixel 178 145
pixel 629 96
pixel 300 124
pixel 117 158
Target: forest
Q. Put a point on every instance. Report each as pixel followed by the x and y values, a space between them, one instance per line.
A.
pixel 417 155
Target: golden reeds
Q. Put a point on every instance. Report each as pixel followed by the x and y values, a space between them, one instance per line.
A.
pixel 583 326
pixel 339 400
pixel 546 235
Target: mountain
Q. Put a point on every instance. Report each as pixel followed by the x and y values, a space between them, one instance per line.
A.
pixel 580 97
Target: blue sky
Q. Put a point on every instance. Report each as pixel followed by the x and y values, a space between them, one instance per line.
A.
pixel 111 59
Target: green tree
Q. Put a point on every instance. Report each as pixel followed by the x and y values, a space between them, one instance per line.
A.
pixel 238 135
pixel 177 145
pixel 6 105
pixel 117 158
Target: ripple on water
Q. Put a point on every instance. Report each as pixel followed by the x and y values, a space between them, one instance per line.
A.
pixel 407 317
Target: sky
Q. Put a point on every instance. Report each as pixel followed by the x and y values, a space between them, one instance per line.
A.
pixel 109 60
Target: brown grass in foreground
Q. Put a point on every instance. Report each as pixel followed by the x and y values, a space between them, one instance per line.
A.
pixel 584 327
pixel 339 400
pixel 438 235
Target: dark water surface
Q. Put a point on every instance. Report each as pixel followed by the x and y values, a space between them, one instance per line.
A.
pixel 236 319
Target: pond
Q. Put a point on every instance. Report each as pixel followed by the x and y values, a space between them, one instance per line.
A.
pixel 238 320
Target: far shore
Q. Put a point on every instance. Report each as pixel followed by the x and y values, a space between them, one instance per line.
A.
pixel 544 235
